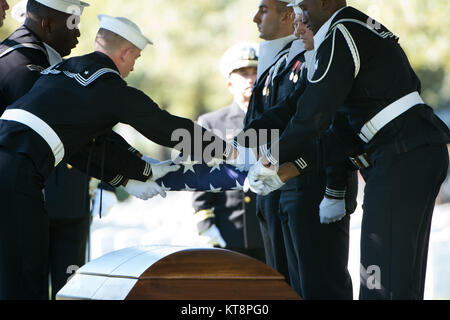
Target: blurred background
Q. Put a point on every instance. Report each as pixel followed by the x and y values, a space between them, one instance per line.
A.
pixel 181 73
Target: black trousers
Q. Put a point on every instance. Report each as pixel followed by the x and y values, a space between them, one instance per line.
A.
pixel 399 199
pixel 23 230
pixel 317 253
pixel 271 232
pixel 67 249
pixel 32 246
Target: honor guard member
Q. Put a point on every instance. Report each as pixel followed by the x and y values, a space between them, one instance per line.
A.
pixel 274 23
pixel 310 245
pixel 3 8
pixel 40 42
pixel 88 97
pixel 48 33
pixel 362 71
pixel 229 218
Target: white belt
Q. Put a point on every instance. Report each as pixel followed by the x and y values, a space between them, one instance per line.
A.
pixel 40 127
pixel 392 111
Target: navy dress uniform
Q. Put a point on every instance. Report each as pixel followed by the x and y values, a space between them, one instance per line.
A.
pixel 300 198
pixel 271 57
pixel 311 245
pixel 233 211
pixel 22 56
pixel 360 69
pixel 88 97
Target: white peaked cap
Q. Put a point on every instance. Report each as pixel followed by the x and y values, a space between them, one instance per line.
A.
pixel 67 6
pixel 241 55
pixel 124 28
pixel 295 4
pixel 19 11
pixel 287 1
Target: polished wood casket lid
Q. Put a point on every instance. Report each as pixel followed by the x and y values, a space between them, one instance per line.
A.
pixel 174 273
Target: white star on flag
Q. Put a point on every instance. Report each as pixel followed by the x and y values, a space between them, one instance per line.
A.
pixel 215 190
pixel 189 165
pixel 187 188
pixel 216 167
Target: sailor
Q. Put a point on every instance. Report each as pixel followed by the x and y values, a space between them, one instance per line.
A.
pixel 72 103
pixel 274 22
pixel 228 218
pixel 309 244
pixel 25 53
pixel 361 70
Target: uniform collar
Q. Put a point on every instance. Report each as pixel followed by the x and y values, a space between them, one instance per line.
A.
pixel 238 110
pixel 320 35
pixel 22 35
pixel 53 56
pixel 269 52
pixel 297 48
pixel 106 59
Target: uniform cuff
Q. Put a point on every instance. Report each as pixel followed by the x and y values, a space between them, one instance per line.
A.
pixel 265 151
pixel 300 164
pixel 135 151
pixel 147 170
pixel 116 181
pixel 335 194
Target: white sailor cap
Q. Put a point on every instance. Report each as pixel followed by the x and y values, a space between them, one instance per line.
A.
pixel 67 6
pixel 19 11
pixel 241 55
pixel 295 4
pixel 124 28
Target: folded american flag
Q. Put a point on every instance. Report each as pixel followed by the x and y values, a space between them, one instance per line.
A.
pixel 193 176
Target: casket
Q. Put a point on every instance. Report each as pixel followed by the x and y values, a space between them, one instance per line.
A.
pixel 176 273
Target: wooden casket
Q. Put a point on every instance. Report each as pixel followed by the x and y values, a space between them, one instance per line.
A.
pixel 176 273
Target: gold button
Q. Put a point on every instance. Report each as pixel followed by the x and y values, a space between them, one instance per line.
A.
pixel 247 199
pixel 69 166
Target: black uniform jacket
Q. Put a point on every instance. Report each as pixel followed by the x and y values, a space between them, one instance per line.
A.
pixel 22 58
pixel 83 98
pixel 272 87
pixel 326 152
pixel 357 78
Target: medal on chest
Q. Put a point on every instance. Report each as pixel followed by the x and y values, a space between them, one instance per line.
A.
pixel 295 74
pixel 266 90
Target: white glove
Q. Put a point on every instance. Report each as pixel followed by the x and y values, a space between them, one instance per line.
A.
pixel 331 210
pixel 144 190
pixel 150 160
pixel 263 180
pixel 244 160
pixel 214 236
pixel 162 168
